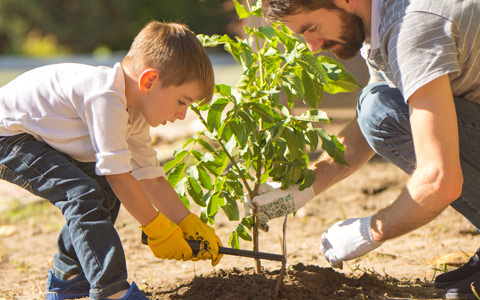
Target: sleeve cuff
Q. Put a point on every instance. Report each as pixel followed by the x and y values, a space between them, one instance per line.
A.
pixel 113 162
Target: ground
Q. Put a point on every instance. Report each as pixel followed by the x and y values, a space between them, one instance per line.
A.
pixel 403 268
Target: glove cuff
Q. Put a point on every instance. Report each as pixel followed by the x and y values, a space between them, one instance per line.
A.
pixel 366 232
pixel 302 197
pixel 160 228
pixel 190 222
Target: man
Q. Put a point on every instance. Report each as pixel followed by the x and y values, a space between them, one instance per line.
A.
pixel 420 111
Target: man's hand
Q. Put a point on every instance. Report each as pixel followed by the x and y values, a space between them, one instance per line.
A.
pixel 166 240
pixel 194 229
pixel 275 202
pixel 346 240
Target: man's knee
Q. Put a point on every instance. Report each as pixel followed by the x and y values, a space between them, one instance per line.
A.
pixel 379 108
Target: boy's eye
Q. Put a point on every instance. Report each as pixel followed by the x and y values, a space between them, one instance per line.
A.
pixel 181 102
pixel 312 29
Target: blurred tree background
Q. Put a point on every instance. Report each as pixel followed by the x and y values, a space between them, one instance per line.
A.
pixel 53 27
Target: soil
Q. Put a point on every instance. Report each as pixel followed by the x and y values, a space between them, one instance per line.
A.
pixel 403 268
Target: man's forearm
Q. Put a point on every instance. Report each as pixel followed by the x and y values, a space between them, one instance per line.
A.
pixel 422 200
pixel 357 153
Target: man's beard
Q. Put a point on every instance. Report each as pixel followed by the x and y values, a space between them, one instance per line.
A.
pixel 352 36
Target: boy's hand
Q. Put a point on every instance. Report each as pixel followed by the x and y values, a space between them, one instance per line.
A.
pixel 165 239
pixel 194 229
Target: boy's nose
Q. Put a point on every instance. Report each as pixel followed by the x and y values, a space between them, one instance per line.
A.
pixel 181 114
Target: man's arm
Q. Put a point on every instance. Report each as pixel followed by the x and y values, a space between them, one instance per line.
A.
pixel 437 180
pixel 357 153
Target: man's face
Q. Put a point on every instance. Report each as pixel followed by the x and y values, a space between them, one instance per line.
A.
pixel 337 30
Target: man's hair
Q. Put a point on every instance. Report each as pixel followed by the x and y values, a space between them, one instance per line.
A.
pixel 175 52
pixel 277 10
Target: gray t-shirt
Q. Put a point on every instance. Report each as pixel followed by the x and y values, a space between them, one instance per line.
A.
pixel 421 40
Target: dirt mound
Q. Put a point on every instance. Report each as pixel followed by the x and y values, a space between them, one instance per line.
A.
pixel 300 282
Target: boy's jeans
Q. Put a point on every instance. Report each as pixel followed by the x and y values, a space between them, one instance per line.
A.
pixel 383 117
pixel 88 241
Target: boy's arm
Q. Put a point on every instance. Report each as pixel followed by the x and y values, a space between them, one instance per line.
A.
pixel 165 238
pixel 130 193
pixel 161 195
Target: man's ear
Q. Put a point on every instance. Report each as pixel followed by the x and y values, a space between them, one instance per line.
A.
pixel 147 78
pixel 348 5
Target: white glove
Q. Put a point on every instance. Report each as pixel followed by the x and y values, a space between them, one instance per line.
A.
pixel 347 240
pixel 276 202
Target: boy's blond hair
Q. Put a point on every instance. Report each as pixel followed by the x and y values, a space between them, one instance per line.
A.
pixel 174 51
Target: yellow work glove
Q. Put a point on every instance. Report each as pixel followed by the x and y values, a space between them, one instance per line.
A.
pixel 166 240
pixel 194 229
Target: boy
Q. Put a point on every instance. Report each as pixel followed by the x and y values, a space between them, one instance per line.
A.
pixel 78 136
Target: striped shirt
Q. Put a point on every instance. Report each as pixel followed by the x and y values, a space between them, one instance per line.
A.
pixel 421 40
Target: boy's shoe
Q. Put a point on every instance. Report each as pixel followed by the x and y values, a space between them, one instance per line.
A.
pixel 133 294
pixel 468 269
pixel 57 289
pixel 463 290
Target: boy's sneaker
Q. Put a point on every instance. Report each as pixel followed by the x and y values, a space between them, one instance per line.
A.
pixel 133 294
pixel 463 290
pixel 468 269
pixel 57 289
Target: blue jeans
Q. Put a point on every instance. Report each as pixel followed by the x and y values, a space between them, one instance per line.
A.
pixel 383 117
pixel 88 242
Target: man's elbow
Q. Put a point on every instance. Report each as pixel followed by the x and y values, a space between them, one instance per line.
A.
pixel 448 187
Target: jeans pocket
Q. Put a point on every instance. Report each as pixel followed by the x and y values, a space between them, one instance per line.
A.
pixel 10 176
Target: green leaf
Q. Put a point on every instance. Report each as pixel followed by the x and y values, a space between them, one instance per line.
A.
pixel 332 145
pixel 313 66
pixel 262 110
pixel 312 138
pixel 308 179
pixel 268 32
pixel 233 240
pixel 294 143
pixel 223 89
pixel 214 116
pixel 176 174
pixel 242 232
pixel 340 80
pixel 195 191
pixel 238 131
pixel 205 145
pixel 204 178
pixel 178 158
pixel 241 10
pixel 231 208
pixel 213 203
pixel 314 115
pixel 313 91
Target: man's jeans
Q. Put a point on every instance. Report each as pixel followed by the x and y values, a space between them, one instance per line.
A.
pixel 383 117
pixel 88 241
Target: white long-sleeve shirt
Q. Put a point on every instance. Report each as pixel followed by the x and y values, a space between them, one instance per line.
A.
pixel 82 111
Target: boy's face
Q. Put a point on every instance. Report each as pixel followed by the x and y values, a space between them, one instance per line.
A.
pixel 162 104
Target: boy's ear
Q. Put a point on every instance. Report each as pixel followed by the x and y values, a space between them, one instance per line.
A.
pixel 147 78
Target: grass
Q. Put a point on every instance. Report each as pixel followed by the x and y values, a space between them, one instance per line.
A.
pixel 40 214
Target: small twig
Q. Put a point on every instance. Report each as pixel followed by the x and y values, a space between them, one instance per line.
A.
pixel 279 284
